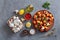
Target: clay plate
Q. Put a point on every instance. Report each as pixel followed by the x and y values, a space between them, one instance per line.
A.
pixel 43 20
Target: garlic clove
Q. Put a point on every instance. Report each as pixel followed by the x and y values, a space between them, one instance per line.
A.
pixel 14 17
pixel 20 26
pixel 16 22
pixel 11 24
pixel 14 30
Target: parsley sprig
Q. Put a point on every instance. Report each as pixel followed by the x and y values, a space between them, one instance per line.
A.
pixel 46 5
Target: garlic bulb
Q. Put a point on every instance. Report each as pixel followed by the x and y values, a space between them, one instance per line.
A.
pixel 15 23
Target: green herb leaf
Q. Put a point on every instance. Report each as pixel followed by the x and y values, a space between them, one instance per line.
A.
pixel 46 5
pixel 38 24
pixel 29 8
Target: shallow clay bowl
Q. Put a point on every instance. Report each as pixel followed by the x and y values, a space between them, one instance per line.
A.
pixel 43 20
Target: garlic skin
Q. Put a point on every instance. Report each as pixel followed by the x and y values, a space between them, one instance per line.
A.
pixel 16 24
pixel 22 19
pixel 16 11
pixel 31 5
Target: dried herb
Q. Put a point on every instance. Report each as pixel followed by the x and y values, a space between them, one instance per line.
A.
pixel 46 5
pixel 38 24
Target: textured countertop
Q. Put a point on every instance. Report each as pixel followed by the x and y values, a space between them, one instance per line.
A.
pixel 8 6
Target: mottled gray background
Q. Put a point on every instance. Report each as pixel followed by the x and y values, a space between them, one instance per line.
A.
pixel 7 7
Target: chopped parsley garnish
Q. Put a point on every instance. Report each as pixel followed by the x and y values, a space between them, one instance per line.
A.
pixel 46 5
pixel 38 24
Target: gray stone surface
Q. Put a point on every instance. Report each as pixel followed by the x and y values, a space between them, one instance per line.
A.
pixel 8 6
